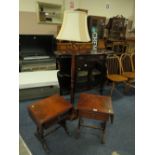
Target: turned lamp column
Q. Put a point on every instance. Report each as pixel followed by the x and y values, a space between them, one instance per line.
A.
pixel 74 29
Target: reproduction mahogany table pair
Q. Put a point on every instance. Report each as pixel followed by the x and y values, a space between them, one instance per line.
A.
pixel 56 110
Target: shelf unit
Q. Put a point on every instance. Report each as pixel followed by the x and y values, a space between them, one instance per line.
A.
pixel 48 13
pixel 117 28
pixel 98 22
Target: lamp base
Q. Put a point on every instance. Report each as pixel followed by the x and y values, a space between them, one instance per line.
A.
pixel 93 51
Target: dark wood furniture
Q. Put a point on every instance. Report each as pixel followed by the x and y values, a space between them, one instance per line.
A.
pixel 96 27
pixel 49 111
pixel 97 22
pixel 116 34
pixel 93 66
pixel 117 46
pixel 95 107
pixel 36 52
pixel 116 28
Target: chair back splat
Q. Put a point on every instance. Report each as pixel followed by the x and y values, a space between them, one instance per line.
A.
pixel 113 65
pixel 126 62
pixel 133 61
pixel 128 68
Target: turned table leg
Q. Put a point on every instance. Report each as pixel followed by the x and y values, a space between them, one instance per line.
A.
pixel 103 125
pixel 63 124
pixel 78 128
pixel 40 135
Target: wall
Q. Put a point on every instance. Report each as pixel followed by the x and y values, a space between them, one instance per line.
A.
pixel 28 23
pixel 95 7
pixel 116 7
pixel 30 5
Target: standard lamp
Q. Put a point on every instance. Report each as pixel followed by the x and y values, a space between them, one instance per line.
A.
pixel 74 29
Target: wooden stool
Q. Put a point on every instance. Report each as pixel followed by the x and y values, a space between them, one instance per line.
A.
pixel 95 107
pixel 49 111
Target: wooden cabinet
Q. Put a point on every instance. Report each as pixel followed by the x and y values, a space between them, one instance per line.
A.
pixel 98 23
pixel 80 72
pixel 116 28
pixel 49 13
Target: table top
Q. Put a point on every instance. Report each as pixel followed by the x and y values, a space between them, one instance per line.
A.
pixel 37 79
pixel 99 52
pixel 49 108
pixel 96 103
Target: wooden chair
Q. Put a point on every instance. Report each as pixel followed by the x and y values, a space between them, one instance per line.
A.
pixel 127 68
pixel 114 71
pixel 133 61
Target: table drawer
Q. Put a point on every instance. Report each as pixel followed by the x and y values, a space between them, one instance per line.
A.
pixel 94 115
pixel 89 61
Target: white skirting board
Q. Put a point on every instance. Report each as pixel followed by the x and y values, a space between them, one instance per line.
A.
pixel 23 149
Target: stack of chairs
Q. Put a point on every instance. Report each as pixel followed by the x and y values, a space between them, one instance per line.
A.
pixel 121 70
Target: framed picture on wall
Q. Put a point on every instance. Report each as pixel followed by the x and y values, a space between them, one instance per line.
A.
pixel 71 4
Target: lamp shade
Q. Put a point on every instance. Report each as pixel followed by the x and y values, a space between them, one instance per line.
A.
pixel 74 27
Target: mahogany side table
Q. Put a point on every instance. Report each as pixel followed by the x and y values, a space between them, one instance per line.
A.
pixel 49 111
pixel 95 107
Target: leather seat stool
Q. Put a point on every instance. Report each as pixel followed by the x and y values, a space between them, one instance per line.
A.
pixel 95 107
pixel 47 112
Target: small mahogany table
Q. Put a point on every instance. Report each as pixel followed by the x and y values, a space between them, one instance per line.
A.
pixel 94 107
pixel 49 111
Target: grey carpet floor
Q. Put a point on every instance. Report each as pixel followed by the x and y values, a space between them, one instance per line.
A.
pixel 120 136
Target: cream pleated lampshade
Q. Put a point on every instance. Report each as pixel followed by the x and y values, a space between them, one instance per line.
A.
pixel 74 27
